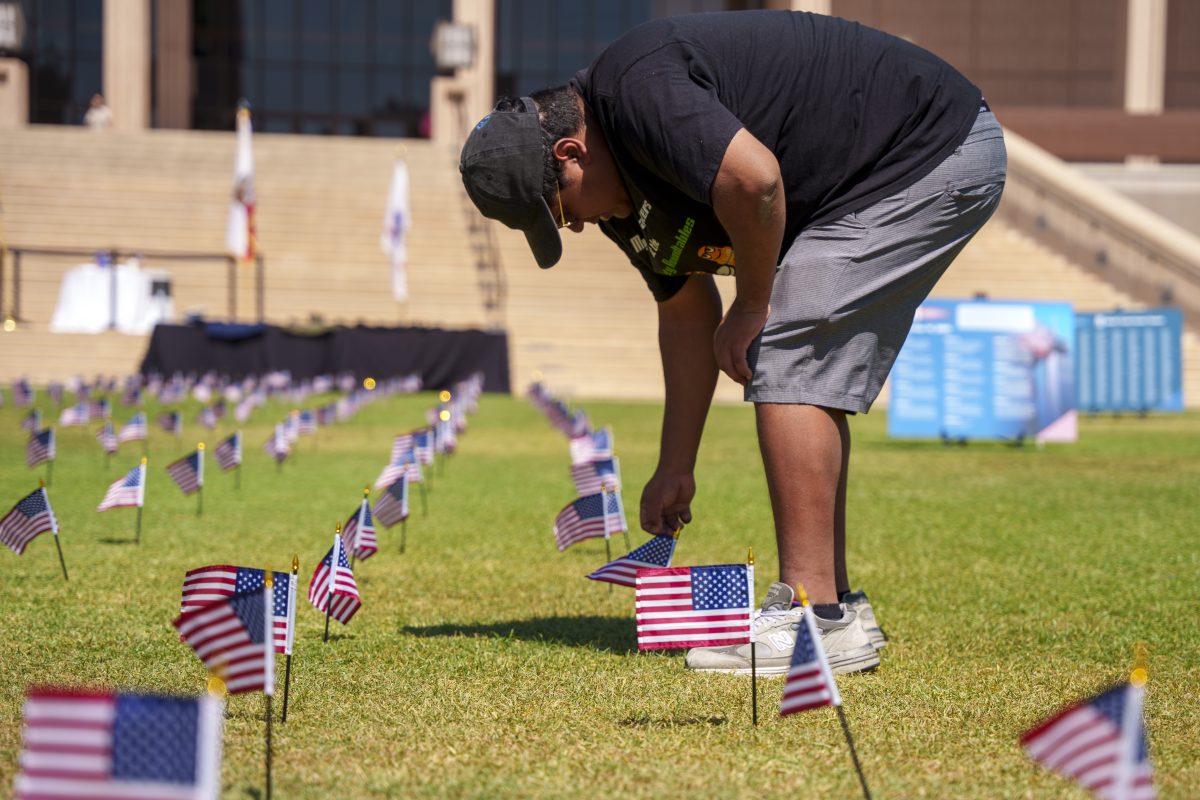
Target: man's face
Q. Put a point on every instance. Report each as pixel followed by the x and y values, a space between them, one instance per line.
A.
pixel 591 189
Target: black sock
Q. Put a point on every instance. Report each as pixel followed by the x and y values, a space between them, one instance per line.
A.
pixel 830 611
pixel 842 595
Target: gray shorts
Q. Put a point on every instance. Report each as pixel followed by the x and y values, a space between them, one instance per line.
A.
pixel 846 291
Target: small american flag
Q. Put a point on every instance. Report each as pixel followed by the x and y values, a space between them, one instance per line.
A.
pixel 171 422
pixel 32 421
pixel 100 409
pixel 307 423
pixel 90 745
pixel 40 447
pixel 127 491
pixel 592 446
pixel 1101 743
pixel 30 517
pixel 229 451
pixel 809 682
pixel 681 607
pixel 22 393
pixel 55 391
pixel 77 414
pixel 135 429
pixel 585 519
pixel 205 585
pixel 234 637
pixel 359 533
pixel 278 446
pixel 422 442
pixel 107 438
pixel 402 447
pixel 188 471
pixel 593 477
pixel 207 417
pixel 407 466
pixel 655 553
pixel 335 585
pixel 392 505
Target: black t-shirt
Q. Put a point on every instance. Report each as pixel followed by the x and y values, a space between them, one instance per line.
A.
pixel 852 114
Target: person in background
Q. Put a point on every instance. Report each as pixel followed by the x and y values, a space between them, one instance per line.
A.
pixel 835 171
pixel 99 116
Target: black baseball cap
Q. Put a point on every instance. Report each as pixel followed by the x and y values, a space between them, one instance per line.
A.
pixel 501 166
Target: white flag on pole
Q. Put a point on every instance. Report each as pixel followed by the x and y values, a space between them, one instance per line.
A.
pixel 395 229
pixel 239 233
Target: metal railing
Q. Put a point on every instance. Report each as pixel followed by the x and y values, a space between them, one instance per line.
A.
pixel 19 255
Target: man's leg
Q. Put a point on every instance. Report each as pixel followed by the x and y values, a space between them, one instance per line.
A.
pixel 806 454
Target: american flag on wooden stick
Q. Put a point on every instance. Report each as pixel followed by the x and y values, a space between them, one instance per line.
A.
pixel 99 744
pixel 40 447
pixel 205 585
pixel 188 472
pixel 333 584
pixel 133 430
pixel 229 451
pixel 77 414
pixel 359 533
pixel 593 477
pixel 809 682
pixel 107 438
pixel 594 516
pixel 680 607
pixel 1101 743
pixel 235 639
pixel 127 491
pixel 392 506
pixel 655 553
pixel 30 517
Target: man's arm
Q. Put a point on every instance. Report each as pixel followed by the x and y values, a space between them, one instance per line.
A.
pixel 686 323
pixel 748 198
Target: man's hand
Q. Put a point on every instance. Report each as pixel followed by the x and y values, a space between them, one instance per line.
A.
pixel 733 337
pixel 666 503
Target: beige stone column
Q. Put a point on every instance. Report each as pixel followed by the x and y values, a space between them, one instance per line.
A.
pixel 815 6
pixel 14 93
pixel 1146 56
pixel 480 80
pixel 127 62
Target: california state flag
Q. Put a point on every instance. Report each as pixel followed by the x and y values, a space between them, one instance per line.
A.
pixel 395 229
pixel 239 233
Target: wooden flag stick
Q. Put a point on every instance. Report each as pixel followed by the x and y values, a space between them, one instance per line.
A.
pixel 753 648
pixel 269 714
pixel 287 669
pixel 200 488
pixel 54 530
pixel 137 533
pixel 862 780
pixel 237 477
pixel 269 647
pixel 337 538
pixel 403 533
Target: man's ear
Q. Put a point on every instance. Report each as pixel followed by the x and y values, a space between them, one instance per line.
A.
pixel 569 149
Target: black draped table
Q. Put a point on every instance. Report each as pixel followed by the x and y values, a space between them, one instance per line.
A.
pixel 440 357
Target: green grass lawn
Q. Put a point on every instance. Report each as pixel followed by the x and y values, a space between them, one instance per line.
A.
pixel 482 664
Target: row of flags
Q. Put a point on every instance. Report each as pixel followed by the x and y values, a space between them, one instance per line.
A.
pixel 235 618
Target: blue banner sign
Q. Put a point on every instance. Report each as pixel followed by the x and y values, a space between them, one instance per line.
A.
pixel 1130 360
pixel 983 369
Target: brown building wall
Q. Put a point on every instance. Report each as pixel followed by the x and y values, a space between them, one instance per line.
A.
pixel 1055 69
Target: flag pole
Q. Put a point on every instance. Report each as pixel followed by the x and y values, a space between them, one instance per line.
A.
pixel 287 668
pixel 269 647
pixel 753 649
pixel 403 533
pixel 200 487
pixel 333 559
pixel 54 530
pixel 604 517
pixel 862 779
pixel 137 534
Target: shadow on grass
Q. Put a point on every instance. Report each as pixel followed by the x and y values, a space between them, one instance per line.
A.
pixel 603 633
pixel 111 540
pixel 672 722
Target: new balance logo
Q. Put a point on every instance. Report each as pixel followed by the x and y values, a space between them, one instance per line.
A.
pixel 781 640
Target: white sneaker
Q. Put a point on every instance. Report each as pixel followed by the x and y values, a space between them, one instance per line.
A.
pixel 859 604
pixel 774 631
